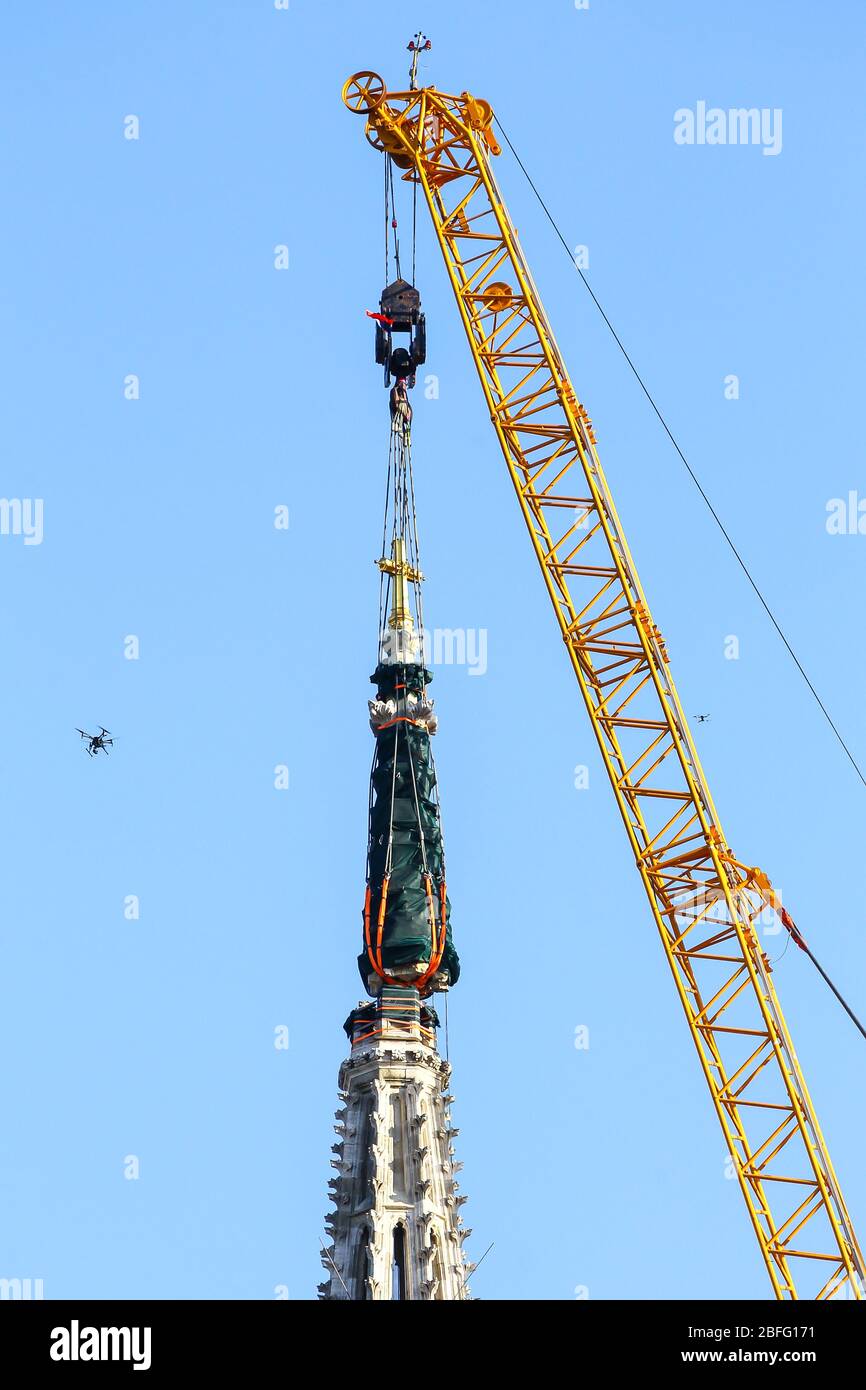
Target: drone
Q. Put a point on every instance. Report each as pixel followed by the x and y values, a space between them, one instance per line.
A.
pixel 95 742
pixel 702 718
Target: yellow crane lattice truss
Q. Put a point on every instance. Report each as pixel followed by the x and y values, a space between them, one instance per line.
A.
pixel 707 906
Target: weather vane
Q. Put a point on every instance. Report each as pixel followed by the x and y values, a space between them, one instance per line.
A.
pixel 419 44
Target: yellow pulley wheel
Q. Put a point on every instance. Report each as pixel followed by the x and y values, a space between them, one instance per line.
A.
pixel 485 112
pixel 363 92
pixel 498 296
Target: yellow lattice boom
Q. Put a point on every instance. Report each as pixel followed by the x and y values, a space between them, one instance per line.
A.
pixel 706 905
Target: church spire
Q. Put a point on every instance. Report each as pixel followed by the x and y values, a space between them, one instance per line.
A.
pixel 396 1231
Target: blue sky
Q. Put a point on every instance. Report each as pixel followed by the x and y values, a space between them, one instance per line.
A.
pixel 602 1168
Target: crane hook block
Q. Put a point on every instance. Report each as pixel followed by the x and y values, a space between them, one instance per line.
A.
pixel 400 312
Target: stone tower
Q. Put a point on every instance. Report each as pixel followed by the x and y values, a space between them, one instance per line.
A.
pixel 396 1231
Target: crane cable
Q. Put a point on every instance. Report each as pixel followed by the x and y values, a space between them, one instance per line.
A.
pixel 796 936
pixel 666 427
pixel 386 220
pixel 391 220
pixel 414 222
pixel 785 917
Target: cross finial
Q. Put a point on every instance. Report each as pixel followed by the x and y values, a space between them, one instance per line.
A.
pixel 403 574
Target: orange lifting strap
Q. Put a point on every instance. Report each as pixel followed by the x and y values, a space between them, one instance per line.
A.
pixel 401 719
pixel 437 934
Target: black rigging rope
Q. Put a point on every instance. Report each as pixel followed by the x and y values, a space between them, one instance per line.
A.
pixel 389 856
pixel 390 175
pixel 414 219
pixel 384 588
pixel 826 978
pixel 387 219
pixel 665 426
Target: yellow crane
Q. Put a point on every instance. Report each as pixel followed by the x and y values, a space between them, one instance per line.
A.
pixel 706 904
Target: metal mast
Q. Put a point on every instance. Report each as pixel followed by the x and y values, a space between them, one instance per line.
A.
pixel 706 904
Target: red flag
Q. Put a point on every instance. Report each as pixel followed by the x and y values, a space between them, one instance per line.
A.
pixel 382 318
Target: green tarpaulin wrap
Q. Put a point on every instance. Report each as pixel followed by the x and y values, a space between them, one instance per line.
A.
pixel 406 935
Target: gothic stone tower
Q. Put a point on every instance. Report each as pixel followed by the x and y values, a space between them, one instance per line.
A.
pixel 396 1229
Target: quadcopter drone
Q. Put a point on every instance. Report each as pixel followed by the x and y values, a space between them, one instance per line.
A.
pixel 95 742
